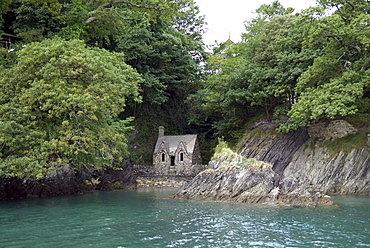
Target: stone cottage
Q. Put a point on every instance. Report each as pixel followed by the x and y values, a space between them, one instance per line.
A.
pixel 176 154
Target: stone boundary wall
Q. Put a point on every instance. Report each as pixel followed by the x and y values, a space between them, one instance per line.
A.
pixel 151 171
pixel 149 177
pixel 161 182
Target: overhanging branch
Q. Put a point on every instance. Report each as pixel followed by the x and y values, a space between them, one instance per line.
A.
pixel 103 6
pixel 109 3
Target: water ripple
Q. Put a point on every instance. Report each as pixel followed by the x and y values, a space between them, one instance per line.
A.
pixel 145 219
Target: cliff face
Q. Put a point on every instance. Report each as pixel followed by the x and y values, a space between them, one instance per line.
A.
pixel 277 150
pixel 301 160
pixel 344 173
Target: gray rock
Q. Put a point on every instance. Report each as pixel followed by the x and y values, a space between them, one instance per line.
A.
pixel 332 130
pixel 302 170
pixel 301 161
pixel 248 184
pixel 65 180
pixel 342 174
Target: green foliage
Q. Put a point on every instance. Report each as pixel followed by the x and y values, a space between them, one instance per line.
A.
pixel 333 100
pixel 254 163
pixel 160 54
pixel 167 53
pixel 87 20
pixel 161 39
pixel 58 104
pixel 224 153
pixel 8 57
pixel 334 85
pixel 34 23
pixel 4 4
pixel 222 145
pixel 274 9
pixel 259 73
pixel 226 156
pixel 346 144
pixel 309 66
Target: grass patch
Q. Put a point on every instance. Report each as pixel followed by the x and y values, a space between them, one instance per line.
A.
pixel 346 144
pixel 228 156
pixel 360 121
pixel 353 141
pixel 254 163
pixel 223 151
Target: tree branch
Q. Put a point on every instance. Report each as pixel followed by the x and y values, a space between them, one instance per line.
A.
pixel 93 18
pixel 89 3
pixel 103 6
pixel 350 4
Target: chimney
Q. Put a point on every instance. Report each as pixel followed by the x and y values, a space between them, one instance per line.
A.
pixel 161 132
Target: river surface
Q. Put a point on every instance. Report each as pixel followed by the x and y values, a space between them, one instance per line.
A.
pixel 147 218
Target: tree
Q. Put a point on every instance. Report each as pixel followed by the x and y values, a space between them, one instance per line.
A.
pixel 221 103
pixel 161 39
pixel 260 72
pixel 33 23
pixel 338 81
pixel 167 53
pixel 4 4
pixel 275 61
pixel 88 20
pixel 85 19
pixel 59 104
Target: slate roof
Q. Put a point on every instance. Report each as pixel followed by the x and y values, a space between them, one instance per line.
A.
pixel 172 142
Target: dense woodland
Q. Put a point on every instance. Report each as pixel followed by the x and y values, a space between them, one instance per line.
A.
pixel 91 80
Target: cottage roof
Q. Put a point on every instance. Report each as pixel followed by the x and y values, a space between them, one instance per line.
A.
pixel 6 39
pixel 172 142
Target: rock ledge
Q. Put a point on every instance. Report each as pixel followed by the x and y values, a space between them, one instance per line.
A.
pixel 250 182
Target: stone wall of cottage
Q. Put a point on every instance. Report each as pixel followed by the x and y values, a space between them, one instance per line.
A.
pixel 161 167
pixel 180 167
pixel 183 164
pixel 197 158
pixel 183 167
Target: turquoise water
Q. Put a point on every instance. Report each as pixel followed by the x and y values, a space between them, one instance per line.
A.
pixel 146 218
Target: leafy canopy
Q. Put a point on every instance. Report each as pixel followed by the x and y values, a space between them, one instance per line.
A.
pixel 59 103
pixel 259 73
pixel 338 81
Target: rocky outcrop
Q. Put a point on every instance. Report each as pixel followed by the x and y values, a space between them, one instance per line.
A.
pixel 65 180
pixel 332 130
pixel 301 159
pixel 62 180
pixel 248 184
pixel 302 170
pixel 123 178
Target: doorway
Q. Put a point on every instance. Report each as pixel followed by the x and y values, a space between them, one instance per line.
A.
pixel 172 161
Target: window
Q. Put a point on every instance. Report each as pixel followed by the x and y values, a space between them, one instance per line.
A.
pixel 163 157
pixel 181 156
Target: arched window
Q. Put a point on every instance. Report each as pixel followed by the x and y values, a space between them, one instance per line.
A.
pixel 181 156
pixel 163 157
